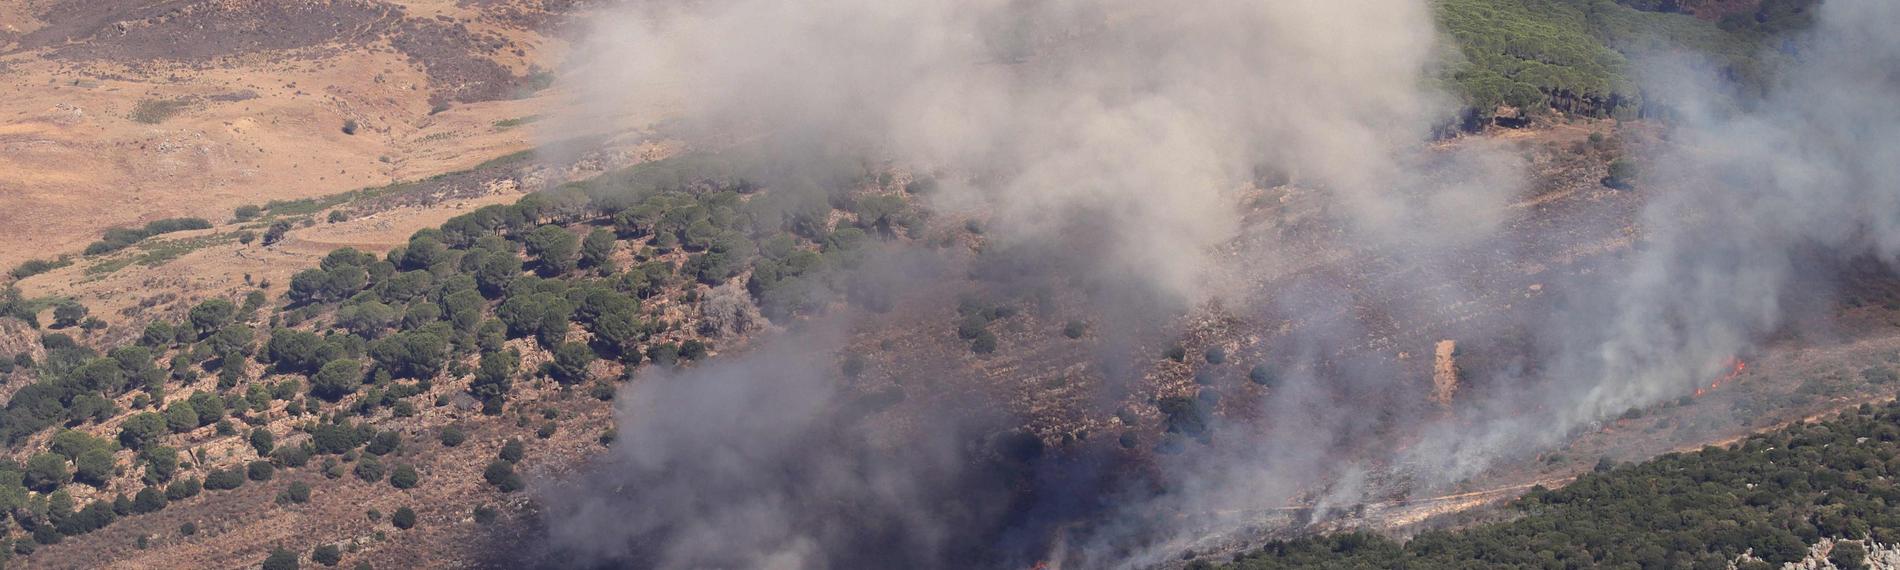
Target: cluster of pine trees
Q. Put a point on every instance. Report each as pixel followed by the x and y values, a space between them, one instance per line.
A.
pixel 584 271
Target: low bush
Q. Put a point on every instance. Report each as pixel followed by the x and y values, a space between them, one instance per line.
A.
pixel 369 470
pixel 224 480
pixel 260 471
pixel 453 436
pixel 327 555
pixel 404 477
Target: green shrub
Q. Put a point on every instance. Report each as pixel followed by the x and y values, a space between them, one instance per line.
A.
pixel 972 326
pixel 182 489
pixel 280 559
pixel 369 470
pixel 404 477
pixel 1260 375
pixel 298 492
pixel 68 313
pixel 120 238
pixel 694 349
pixel 331 439
pixel 327 555
pixel 453 436
pixel 664 354
pixel 260 471
pixel 512 451
pixel 95 467
pixel 984 343
pixel 405 518
pixel 180 417
pixel 224 479
pixel 292 456
pixel 1848 555
pixel 570 362
pixel 149 500
pixel 33 267
pixel 502 475
pixel 384 443
pixel 263 441
pixel 46 472
pixel 1623 174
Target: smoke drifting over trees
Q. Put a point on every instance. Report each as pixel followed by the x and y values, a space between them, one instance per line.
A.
pixel 1111 138
pixel 1119 114
pixel 759 461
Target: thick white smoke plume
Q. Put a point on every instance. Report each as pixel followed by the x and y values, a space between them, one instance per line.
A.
pixel 1747 196
pixel 1133 126
pixel 1138 117
pixel 1753 187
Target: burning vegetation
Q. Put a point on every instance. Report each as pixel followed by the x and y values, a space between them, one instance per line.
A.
pixel 1022 285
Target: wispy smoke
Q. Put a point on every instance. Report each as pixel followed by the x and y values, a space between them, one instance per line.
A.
pixel 1121 114
pixel 1754 187
pixel 1748 196
pixel 758 461
pixel 1124 133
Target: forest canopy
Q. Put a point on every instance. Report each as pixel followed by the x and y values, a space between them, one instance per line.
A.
pixel 1770 496
pixel 1579 56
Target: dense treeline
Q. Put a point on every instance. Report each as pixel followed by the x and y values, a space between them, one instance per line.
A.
pixel 33 267
pixel 1759 503
pixel 120 238
pixel 1772 16
pixel 1575 55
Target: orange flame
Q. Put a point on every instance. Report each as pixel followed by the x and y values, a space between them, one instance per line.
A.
pixel 1736 367
pixel 1040 565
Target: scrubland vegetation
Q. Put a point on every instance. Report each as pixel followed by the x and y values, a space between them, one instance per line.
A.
pixel 582 275
pixel 1756 504
pixel 121 238
pixel 1575 56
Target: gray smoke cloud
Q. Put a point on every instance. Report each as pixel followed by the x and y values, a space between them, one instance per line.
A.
pixel 1108 141
pixel 1048 114
pixel 1747 197
pixel 759 461
pixel 1125 133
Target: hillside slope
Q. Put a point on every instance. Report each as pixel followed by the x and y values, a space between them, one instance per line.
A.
pixel 122 113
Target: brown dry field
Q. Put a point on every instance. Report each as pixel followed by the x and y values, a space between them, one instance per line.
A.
pixel 261 101
pixel 260 118
pixel 250 127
